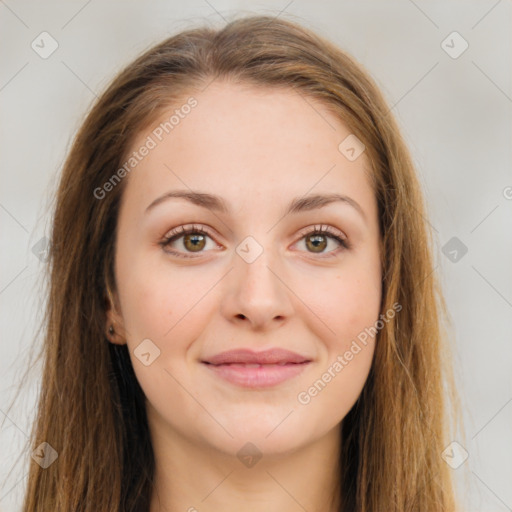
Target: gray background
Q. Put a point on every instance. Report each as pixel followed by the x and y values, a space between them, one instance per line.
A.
pixel 455 114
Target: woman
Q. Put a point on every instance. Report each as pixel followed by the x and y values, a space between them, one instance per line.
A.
pixel 242 309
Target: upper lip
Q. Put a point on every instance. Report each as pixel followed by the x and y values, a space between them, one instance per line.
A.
pixel 245 356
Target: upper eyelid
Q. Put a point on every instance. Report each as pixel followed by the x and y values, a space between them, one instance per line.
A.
pixel 180 231
pixel 324 228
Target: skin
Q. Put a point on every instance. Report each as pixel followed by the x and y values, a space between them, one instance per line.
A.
pixel 258 149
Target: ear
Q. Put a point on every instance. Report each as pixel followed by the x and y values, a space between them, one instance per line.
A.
pixel 114 321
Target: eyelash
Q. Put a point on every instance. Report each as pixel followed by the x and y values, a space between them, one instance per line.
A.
pixel 182 231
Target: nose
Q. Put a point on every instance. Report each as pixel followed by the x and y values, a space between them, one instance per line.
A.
pixel 257 294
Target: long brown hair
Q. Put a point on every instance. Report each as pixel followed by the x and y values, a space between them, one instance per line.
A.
pixel 91 408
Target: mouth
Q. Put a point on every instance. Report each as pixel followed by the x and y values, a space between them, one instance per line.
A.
pixel 250 369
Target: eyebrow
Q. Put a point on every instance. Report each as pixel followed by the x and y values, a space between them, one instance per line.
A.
pixel 218 204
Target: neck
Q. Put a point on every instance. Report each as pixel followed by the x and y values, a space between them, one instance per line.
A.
pixel 194 478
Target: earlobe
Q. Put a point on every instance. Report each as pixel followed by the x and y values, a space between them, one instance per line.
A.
pixel 114 337
pixel 114 330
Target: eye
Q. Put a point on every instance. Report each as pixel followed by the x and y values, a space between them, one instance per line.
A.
pixel 195 238
pixel 317 240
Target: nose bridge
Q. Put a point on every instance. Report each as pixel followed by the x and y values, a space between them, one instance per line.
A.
pixel 260 294
pixel 254 264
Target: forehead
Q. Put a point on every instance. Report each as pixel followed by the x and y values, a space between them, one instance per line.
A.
pixel 247 144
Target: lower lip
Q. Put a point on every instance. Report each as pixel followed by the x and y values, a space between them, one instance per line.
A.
pixel 261 377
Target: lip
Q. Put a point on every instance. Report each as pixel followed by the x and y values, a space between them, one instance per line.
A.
pixel 251 369
pixel 245 356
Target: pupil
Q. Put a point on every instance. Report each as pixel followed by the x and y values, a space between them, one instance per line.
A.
pixel 318 241
pixel 195 240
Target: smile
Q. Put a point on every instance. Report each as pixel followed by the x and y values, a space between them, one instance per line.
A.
pixel 254 375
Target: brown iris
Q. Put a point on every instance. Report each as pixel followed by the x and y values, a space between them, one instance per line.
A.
pixel 316 242
pixel 194 242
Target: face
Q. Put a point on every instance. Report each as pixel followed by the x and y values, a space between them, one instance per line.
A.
pixel 288 291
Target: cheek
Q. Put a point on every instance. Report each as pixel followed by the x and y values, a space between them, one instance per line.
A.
pixel 157 303
pixel 345 303
pixel 329 397
pixel 147 310
pixel 158 306
pixel 358 306
pixel 351 312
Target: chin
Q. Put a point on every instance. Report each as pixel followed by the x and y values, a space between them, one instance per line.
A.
pixel 254 443
pixel 269 435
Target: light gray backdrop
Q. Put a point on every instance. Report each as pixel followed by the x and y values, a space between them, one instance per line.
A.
pixel 453 103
